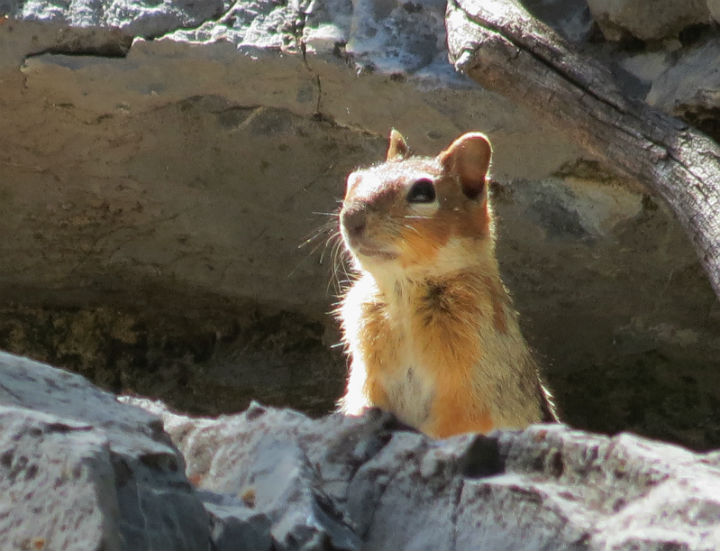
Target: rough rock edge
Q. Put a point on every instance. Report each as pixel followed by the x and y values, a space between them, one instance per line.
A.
pixel 275 479
pixel 122 450
pixel 546 487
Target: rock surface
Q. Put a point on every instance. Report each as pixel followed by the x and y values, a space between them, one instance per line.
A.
pixel 157 191
pixel 714 9
pixel 78 470
pixel 691 88
pixel 548 487
pixel 647 19
pixel 146 19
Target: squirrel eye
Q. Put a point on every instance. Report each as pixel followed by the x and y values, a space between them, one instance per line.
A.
pixel 422 191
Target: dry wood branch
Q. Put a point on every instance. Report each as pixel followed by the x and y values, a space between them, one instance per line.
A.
pixel 498 44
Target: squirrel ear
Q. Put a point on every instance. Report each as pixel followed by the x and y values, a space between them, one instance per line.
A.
pixel 397 148
pixel 468 157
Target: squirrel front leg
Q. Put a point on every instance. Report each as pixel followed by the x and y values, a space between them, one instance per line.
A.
pixel 363 392
pixel 450 415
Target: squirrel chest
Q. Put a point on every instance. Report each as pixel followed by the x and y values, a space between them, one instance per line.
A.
pixel 428 350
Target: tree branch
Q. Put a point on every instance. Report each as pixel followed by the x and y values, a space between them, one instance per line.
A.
pixel 501 46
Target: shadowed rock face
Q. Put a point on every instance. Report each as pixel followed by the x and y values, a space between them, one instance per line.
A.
pixel 153 195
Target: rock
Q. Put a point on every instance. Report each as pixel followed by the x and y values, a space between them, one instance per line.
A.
pixel 275 479
pixel 548 487
pixel 158 192
pixel 714 9
pixel 570 18
pixel 690 89
pixel 279 484
pixel 234 525
pixel 647 66
pixel 150 19
pixel 58 484
pixel 81 470
pixel 647 20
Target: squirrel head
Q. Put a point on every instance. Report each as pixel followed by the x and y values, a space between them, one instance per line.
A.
pixel 420 214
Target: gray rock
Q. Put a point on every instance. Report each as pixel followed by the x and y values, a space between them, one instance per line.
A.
pixel 691 87
pixel 278 483
pixel 57 484
pixel 548 487
pixel 570 18
pixel 714 9
pixel 647 19
pixel 234 525
pixel 182 174
pixel 116 462
pixel 261 24
pixel 647 66
pixel 275 479
pixel 146 19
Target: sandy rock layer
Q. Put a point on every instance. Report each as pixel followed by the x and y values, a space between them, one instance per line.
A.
pixel 155 193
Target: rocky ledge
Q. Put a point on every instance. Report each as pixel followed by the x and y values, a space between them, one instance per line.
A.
pixel 83 469
pixel 161 163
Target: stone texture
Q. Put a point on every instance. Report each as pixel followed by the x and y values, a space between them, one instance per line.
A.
pixel 157 192
pixel 548 487
pixel 570 18
pixel 57 484
pixel 80 470
pixel 690 89
pixel 234 525
pixel 275 479
pixel 647 20
pixel 278 487
pixel 146 19
pixel 714 9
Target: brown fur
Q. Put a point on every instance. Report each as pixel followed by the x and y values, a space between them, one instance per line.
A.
pixel 428 324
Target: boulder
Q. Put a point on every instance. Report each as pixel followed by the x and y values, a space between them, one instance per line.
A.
pixel 79 470
pixel 570 18
pixel 714 9
pixel 647 20
pixel 82 469
pixel 690 89
pixel 158 191
pixel 58 483
pixel 150 19
pixel 548 487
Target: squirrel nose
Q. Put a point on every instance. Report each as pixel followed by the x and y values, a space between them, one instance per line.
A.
pixel 354 220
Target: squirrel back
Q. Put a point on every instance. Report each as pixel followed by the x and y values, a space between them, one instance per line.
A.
pixel 428 324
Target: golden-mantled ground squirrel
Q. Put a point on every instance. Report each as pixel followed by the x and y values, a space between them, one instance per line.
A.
pixel 430 329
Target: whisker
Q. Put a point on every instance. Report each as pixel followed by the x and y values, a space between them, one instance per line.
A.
pixel 315 250
pixel 413 228
pixel 324 228
pixel 335 280
pixel 328 241
pixel 310 239
pixel 340 266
